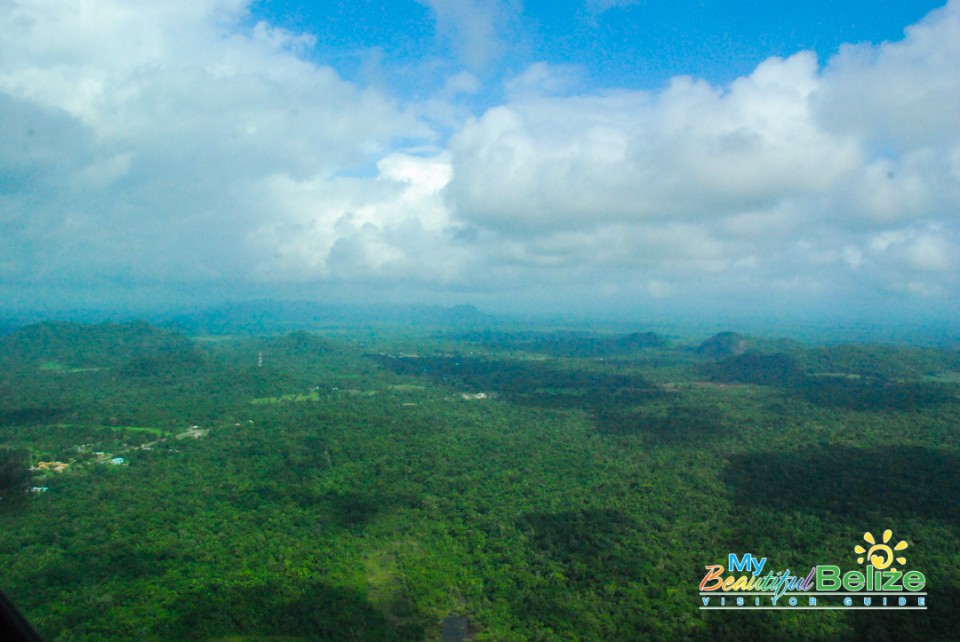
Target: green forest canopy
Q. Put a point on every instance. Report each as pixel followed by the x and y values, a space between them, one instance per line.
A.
pixel 545 485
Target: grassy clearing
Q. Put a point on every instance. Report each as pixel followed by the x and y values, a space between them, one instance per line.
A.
pixel 56 366
pixel 147 429
pixel 314 396
pixel 406 387
pixel 944 377
pixel 297 397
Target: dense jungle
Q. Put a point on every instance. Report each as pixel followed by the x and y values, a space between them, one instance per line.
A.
pixel 381 482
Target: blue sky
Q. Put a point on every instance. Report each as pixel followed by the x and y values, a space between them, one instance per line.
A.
pixel 603 156
pixel 635 44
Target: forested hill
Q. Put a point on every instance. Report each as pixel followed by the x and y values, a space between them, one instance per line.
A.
pixel 888 361
pixel 566 343
pixel 72 345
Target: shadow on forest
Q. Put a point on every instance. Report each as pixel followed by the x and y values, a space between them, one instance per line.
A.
pixel 588 542
pixel 675 424
pixel 566 344
pixel 31 416
pixel 101 561
pixel 534 383
pixel 850 483
pixel 871 394
pixel 828 391
pixel 14 479
pixel 596 550
pixel 317 611
pixel 754 367
pixel 351 510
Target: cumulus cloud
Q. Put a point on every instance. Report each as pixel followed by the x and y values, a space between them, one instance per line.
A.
pixel 183 142
pixel 786 177
pixel 898 96
pixel 144 130
pixel 692 151
pixel 393 228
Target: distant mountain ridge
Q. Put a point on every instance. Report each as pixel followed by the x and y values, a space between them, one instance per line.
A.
pixel 724 344
pixel 567 343
pixel 74 345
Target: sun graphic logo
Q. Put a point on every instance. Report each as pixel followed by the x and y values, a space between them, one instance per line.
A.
pixel 880 555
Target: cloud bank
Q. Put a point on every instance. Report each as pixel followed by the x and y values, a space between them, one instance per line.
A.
pixel 183 144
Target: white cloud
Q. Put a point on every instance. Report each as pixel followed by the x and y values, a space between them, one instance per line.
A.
pixel 474 29
pixel 177 142
pixel 541 79
pixel 916 250
pixel 898 96
pixel 461 83
pixel 146 128
pixel 725 180
pixel 390 228
pixel 691 152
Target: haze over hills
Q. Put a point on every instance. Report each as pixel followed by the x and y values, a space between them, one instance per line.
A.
pixel 269 316
pixel 265 316
pixel 77 346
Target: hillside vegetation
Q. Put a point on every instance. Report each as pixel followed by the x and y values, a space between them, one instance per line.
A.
pixel 544 485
